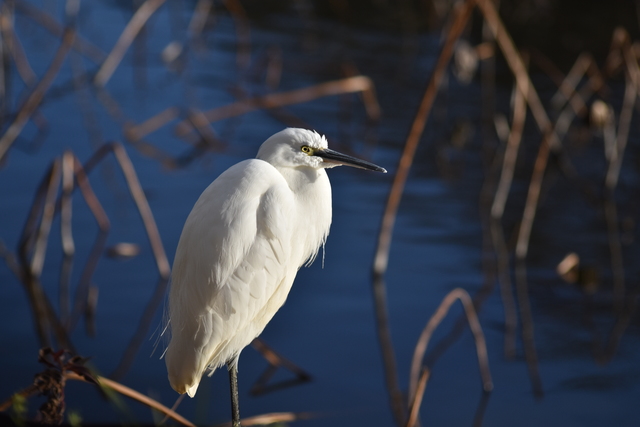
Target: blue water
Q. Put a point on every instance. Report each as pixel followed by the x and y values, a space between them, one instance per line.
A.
pixel 327 325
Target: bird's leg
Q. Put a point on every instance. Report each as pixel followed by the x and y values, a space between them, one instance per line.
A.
pixel 235 405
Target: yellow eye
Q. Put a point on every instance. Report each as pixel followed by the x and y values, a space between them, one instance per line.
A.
pixel 306 149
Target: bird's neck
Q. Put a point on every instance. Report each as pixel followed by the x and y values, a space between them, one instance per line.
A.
pixel 312 192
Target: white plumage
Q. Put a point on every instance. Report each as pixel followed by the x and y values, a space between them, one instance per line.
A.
pixel 241 247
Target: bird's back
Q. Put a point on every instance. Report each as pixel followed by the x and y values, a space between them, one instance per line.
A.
pixel 238 255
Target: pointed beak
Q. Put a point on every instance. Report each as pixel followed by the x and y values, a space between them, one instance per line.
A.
pixel 333 157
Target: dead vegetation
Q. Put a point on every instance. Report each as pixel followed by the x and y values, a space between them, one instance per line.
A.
pixel 581 94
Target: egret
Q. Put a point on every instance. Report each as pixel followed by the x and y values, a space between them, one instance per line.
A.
pixel 240 249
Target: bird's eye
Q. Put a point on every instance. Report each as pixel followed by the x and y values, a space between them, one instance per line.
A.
pixel 306 149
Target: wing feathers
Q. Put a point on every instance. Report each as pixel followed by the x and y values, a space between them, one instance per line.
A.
pixel 238 275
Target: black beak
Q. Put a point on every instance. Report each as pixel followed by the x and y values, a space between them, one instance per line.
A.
pixel 336 158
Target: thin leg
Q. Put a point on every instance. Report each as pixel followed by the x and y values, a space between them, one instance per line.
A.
pixel 235 405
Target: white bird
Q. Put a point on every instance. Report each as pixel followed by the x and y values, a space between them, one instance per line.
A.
pixel 240 249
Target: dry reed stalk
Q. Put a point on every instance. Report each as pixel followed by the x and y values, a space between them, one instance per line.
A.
pixel 46 21
pixel 89 196
pixel 497 209
pixel 12 42
pixel 517 67
pixel 613 173
pixel 136 23
pixel 539 114
pixel 275 361
pixel 143 207
pixel 528 332
pixel 416 400
pixel 11 261
pixel 626 114
pixel 461 15
pixel 506 293
pixel 32 238
pixel 135 395
pixel 83 291
pixel 434 322
pixel 68 246
pixel 570 83
pixel 459 22
pixel 110 105
pixel 139 131
pixel 615 59
pixel 297 96
pixel 510 155
pixel 396 398
pixel 84 284
pixel 203 127
pixel 618 330
pixel 35 97
pixel 199 17
pixel 141 332
pixel 39 249
pixel 243 32
pixel 272 418
pixel 547 66
pixel 139 198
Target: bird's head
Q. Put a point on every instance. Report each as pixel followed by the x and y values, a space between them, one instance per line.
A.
pixel 295 147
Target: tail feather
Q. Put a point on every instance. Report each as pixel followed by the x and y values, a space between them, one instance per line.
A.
pixel 185 366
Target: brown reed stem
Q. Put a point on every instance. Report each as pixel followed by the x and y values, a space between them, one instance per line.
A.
pixel 139 198
pixel 624 123
pixel 275 361
pixel 135 24
pixel 46 21
pixel 141 332
pixel 510 155
pixel 199 17
pixel 414 407
pixel 243 32
pixel 35 97
pixel 12 42
pixel 528 332
pixel 436 319
pixel 32 237
pixel 396 398
pixel 68 246
pixel 272 418
pixel 135 395
pixel 459 22
pixel 280 99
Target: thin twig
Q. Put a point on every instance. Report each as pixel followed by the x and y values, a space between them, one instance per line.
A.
pixel 29 239
pixel 68 246
pixel 137 22
pixel 436 319
pixel 528 332
pixel 275 361
pixel 506 293
pixel 298 96
pixel 141 332
pixel 46 21
pixel 139 198
pixel 135 395
pixel 381 258
pixel 414 407
pixel 624 123
pixel 272 418
pixel 15 48
pixel 33 100
pixel 243 32
pixel 510 155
